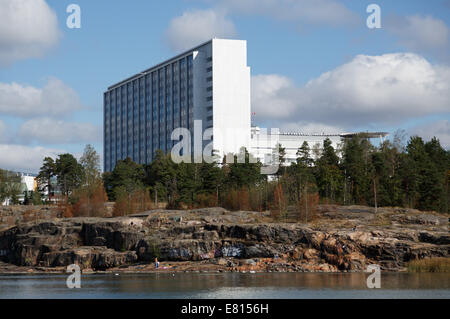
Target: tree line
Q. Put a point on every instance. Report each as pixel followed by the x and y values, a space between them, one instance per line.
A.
pixel 77 186
pixel 10 186
pixel 415 174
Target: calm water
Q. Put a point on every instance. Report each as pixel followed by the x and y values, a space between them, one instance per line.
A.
pixel 228 285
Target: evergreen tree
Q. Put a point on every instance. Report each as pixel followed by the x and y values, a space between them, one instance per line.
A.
pixel 161 176
pixel 36 198
pixel 126 174
pixel 357 169
pixel 327 172
pixel 246 174
pixel 26 199
pixel 44 178
pixel 69 173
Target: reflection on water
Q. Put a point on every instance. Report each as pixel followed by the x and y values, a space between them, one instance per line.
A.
pixel 229 285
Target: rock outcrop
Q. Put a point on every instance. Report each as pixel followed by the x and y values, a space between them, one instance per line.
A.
pixel 215 237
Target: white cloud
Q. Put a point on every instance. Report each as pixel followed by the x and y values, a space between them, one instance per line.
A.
pixel 368 90
pixel 28 28
pixel 3 136
pixel 52 131
pixel 24 158
pixel 419 32
pixel 310 128
pixel 439 129
pixel 54 99
pixel 271 96
pixel 325 12
pixel 197 26
pixel 6 132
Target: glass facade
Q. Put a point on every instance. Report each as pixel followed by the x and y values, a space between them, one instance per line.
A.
pixel 141 113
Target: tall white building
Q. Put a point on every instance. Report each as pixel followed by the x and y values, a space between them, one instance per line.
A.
pixel 210 82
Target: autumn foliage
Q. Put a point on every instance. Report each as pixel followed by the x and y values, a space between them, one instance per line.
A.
pixel 278 206
pixel 238 199
pixel 307 207
pixel 130 203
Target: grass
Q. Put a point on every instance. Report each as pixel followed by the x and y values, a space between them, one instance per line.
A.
pixel 437 264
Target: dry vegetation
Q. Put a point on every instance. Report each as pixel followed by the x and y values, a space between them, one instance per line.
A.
pixel 437 264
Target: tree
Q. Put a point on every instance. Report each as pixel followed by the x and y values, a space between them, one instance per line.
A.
pixel 246 174
pixel 413 168
pixel 161 176
pixel 68 172
pixel 10 186
pixel 26 199
pixel 327 172
pixel 36 198
pixel 90 161
pixel 3 181
pixel 358 171
pixel 126 174
pixel 385 162
pixel 304 155
pixel 46 173
pixel 299 179
pixel 89 198
pixel 281 160
pixel 278 206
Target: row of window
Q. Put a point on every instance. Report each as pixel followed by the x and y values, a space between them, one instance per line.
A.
pixel 173 88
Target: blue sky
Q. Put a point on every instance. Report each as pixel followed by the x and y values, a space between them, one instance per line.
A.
pixel 317 61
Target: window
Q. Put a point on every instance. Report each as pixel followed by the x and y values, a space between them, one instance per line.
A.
pixel 209 79
pixel 209 69
pixel 209 89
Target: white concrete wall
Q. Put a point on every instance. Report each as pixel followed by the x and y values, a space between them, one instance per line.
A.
pixel 200 64
pixel 263 143
pixel 30 182
pixel 231 95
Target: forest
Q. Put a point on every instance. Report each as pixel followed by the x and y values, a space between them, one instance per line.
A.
pixel 413 174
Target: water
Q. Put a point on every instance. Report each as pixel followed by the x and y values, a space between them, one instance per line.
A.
pixel 227 285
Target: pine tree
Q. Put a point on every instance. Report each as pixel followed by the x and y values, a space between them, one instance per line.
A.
pixel 328 174
pixel 44 178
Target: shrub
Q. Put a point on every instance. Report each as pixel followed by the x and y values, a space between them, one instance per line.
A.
pixel 130 203
pixel 278 206
pixel 89 201
pixel 206 200
pixel 307 207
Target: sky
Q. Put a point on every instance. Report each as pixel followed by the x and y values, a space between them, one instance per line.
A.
pixel 316 66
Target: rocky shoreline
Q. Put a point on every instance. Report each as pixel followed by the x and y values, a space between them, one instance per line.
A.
pixel 341 239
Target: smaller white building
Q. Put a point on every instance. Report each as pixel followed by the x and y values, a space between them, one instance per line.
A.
pixel 28 184
pixel 264 141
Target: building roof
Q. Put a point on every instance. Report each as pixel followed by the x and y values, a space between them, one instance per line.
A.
pixel 343 135
pixel 137 75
